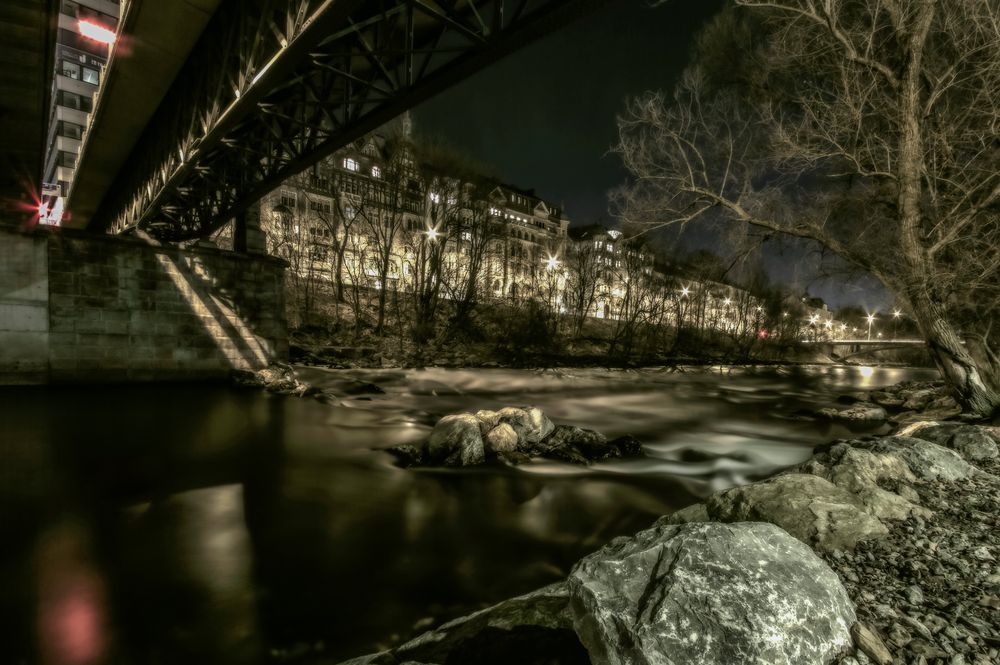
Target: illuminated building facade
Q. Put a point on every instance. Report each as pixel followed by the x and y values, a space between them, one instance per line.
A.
pixel 337 216
pixel 85 32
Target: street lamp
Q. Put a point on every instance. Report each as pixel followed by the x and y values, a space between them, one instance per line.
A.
pixel 432 233
pixel 871 319
pixel 895 321
pixel 551 263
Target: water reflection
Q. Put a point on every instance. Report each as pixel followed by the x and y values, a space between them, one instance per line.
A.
pixel 203 524
pixel 72 603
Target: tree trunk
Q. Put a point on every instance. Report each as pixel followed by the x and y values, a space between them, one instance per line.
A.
pixel 971 380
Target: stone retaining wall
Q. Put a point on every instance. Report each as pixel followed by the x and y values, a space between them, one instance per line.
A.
pixel 77 307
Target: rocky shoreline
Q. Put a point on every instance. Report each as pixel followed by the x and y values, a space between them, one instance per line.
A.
pixel 876 550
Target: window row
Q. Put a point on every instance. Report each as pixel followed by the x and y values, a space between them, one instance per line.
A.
pixel 67 159
pixel 352 165
pixel 78 72
pixel 70 130
pixel 74 101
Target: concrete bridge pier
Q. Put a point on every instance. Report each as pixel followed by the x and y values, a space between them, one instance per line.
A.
pixel 78 307
pixel 248 236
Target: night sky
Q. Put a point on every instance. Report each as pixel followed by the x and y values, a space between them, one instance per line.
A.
pixel 544 118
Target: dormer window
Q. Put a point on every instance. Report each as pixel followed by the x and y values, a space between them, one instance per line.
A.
pixel 351 164
pixel 376 172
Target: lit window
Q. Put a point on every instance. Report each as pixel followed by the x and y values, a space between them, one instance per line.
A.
pixel 466 235
pixel 70 69
pixel 376 172
pixel 435 197
pixel 350 164
pixel 597 244
pixel 91 76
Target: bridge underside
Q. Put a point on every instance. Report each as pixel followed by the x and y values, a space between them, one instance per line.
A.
pixel 274 86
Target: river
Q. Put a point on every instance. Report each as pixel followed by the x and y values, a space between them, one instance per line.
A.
pixel 200 523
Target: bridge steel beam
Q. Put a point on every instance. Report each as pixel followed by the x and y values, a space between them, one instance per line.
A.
pixel 274 86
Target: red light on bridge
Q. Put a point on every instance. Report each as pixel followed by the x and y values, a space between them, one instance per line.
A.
pixel 97 32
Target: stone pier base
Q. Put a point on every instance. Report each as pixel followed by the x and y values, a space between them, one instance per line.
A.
pixel 77 307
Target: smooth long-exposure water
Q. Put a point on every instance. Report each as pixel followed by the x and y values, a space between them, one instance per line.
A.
pixel 194 523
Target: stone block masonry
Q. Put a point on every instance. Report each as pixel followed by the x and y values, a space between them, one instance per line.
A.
pixel 77 307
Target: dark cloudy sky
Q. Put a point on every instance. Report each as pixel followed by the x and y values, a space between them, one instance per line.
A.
pixel 544 118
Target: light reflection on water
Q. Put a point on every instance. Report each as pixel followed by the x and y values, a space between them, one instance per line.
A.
pixel 215 523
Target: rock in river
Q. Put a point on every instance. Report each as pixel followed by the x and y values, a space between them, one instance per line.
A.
pixel 713 594
pixel 456 441
pixel 501 439
pixel 861 412
pixel 531 424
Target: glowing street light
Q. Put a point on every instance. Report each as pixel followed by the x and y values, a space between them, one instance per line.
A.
pixel 871 319
pixel 895 321
pixel 432 233
pixel 685 291
pixel 97 32
pixel 551 263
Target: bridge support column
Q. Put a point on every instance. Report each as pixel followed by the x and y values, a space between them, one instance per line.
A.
pixel 248 237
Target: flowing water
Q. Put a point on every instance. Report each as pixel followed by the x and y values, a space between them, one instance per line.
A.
pixel 194 523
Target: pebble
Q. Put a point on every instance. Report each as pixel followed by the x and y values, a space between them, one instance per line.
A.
pixel 930 591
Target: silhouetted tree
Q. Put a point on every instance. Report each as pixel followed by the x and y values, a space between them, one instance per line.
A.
pixel 867 127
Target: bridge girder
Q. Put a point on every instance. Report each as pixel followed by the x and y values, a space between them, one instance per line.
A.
pixel 274 86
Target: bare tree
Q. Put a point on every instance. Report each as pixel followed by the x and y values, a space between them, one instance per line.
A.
pixel 475 231
pixel 868 126
pixel 583 264
pixel 383 218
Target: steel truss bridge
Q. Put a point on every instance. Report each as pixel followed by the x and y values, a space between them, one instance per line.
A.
pixel 273 86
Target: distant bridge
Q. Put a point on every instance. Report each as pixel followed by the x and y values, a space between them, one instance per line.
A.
pixel 269 88
pixel 867 342
pixel 849 348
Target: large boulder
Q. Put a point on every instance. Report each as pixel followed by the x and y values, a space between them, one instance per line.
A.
pixel 530 423
pixel 866 475
pixel 812 509
pixel 713 594
pixel 971 442
pixel 456 441
pixel 926 460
